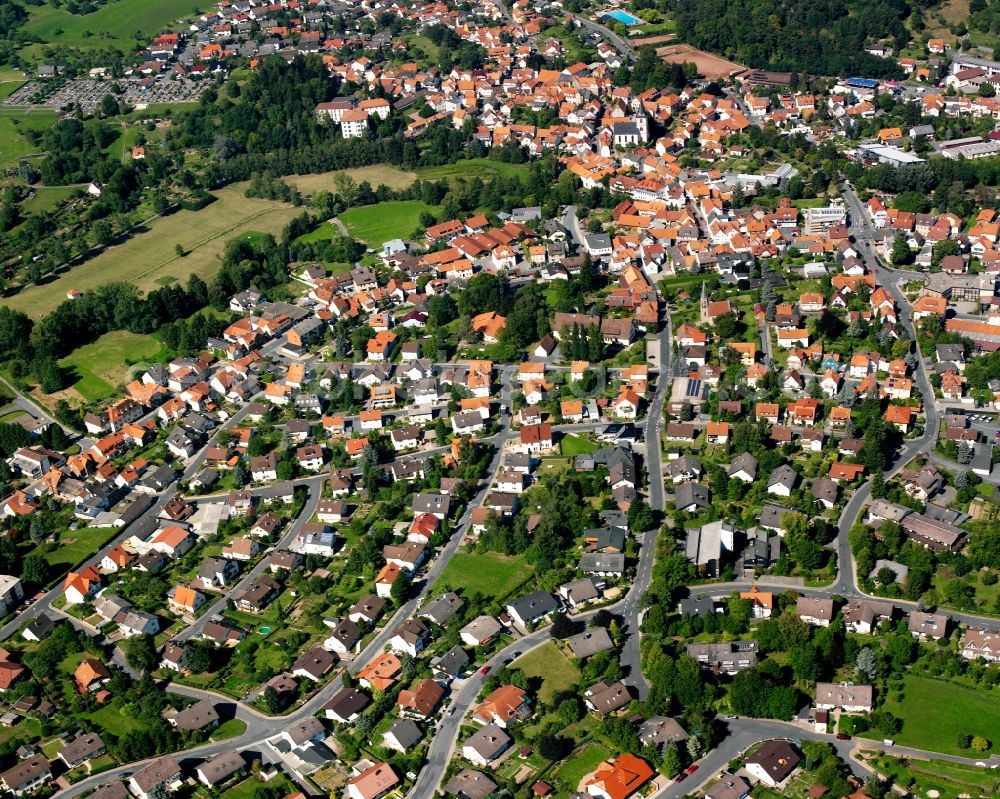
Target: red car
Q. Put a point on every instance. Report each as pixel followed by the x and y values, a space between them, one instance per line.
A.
pixel 680 777
pixel 843 736
pixel 485 670
pixel 691 769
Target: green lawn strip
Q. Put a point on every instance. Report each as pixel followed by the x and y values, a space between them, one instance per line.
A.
pixel 469 168
pixel 552 666
pixel 8 87
pixel 935 712
pixel 490 573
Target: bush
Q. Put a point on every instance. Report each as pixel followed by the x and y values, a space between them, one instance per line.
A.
pixel 989 578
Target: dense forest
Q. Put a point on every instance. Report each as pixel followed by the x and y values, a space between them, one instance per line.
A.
pixel 820 37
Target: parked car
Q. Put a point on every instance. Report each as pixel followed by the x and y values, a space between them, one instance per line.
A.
pixel 485 670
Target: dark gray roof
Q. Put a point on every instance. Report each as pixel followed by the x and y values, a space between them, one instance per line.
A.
pixel 451 662
pixel 534 605
pixel 601 562
pixel 406 732
pixel 688 494
pixel 346 702
pixel 590 642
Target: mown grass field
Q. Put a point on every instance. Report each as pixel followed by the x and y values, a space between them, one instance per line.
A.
pixel 76 545
pixel 934 712
pixel 380 173
pixel 148 259
pixel 105 365
pixel 14 122
pixel 571 446
pixel 554 668
pixel 489 573
pixel 376 224
pixel 114 24
pixel 470 168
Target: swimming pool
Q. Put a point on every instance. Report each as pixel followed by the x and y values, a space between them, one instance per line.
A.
pixel 623 17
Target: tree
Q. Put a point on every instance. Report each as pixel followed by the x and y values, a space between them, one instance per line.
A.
pixel 140 653
pixel 886 723
pixel 694 747
pixel 885 576
pixel 562 627
pixel 640 517
pixel 671 759
pixel 901 253
pixel 866 664
pixel 198 659
pixel 980 744
pixel 554 747
pixel 36 569
pixel 400 589
pixel 269 700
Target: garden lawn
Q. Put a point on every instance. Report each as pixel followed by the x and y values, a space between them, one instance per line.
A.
pixel 28 729
pixel 246 789
pixel 115 23
pixel 149 257
pixel 934 712
pixel 580 765
pixel 14 145
pixel 47 198
pixel 571 446
pixel 112 719
pixel 376 224
pixel 106 364
pixel 489 573
pixel 76 546
pixel 555 669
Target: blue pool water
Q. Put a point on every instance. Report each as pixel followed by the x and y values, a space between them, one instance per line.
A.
pixel 623 17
